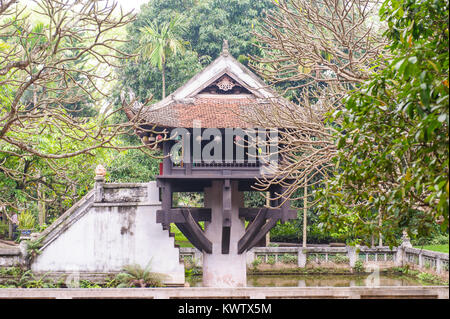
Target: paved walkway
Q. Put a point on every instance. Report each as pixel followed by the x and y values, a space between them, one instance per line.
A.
pixel 397 292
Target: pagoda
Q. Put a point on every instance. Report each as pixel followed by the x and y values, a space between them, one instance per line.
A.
pixel 210 146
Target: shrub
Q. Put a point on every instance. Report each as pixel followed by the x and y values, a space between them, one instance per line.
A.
pixel 340 259
pixel 26 220
pixel 359 266
pixel 256 262
pixel 271 260
pixel 289 259
pixel 436 239
pixel 136 276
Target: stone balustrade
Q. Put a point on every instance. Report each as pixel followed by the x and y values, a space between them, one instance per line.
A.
pixel 397 256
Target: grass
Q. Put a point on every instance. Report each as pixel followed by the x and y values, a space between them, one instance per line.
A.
pixel 180 239
pixel 439 248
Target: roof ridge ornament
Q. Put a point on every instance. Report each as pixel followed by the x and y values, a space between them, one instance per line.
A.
pixel 225 51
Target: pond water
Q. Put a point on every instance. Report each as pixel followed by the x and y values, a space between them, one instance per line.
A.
pixel 327 280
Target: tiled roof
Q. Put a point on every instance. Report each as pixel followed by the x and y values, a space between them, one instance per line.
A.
pixel 219 112
pixel 224 110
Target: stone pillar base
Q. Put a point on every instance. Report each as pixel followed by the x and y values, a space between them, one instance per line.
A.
pixel 224 269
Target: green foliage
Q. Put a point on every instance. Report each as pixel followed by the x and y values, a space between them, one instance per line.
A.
pixel 188 199
pixel 203 27
pixel 29 280
pixel 33 248
pixel 256 262
pixel 289 259
pixel 26 220
pixel 158 43
pixel 84 283
pixel 339 259
pixel 11 271
pixel 271 260
pixel 132 166
pixel 136 276
pixel 436 239
pixel 359 266
pixel 4 229
pixel 393 144
pixel 439 248
pixel 430 278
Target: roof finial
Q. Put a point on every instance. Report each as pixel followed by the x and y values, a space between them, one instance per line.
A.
pixel 225 48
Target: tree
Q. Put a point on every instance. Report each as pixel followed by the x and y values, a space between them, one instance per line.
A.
pixel 392 159
pixel 158 43
pixel 320 50
pixel 204 26
pixel 314 53
pixel 65 59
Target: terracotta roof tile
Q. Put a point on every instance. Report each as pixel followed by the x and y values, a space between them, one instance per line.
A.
pixel 218 112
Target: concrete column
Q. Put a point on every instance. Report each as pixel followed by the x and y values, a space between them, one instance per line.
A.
pixel 23 247
pixel 301 258
pixel 250 256
pixel 352 255
pixel 98 187
pixel 224 270
pixel 438 265
pixel 400 256
pixel 100 173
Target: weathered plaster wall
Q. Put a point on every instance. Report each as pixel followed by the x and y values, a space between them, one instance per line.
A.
pixel 224 270
pixel 112 234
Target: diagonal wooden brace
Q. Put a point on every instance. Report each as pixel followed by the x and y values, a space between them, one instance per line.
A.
pixel 192 230
pixel 252 230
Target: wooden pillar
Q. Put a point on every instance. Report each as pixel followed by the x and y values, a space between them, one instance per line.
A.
pixel 166 203
pixel 226 219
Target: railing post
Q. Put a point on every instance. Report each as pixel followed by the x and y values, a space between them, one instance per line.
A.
pixel 250 256
pixel 438 265
pixel 302 258
pixel 400 256
pixel 100 173
pixel 352 255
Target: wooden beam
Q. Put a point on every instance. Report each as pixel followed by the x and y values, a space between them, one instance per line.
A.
pixel 252 230
pixel 166 203
pixel 226 232
pixel 192 230
pixel 175 215
pixel 262 232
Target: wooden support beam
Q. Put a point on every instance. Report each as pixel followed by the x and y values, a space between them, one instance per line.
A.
pixel 252 230
pixel 261 232
pixel 175 215
pixel 166 203
pixel 226 203
pixel 192 230
pixel 226 232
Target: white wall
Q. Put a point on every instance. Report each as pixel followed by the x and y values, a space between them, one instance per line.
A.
pixel 107 238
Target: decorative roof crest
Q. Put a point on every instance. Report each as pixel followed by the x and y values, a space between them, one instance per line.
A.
pixel 225 51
